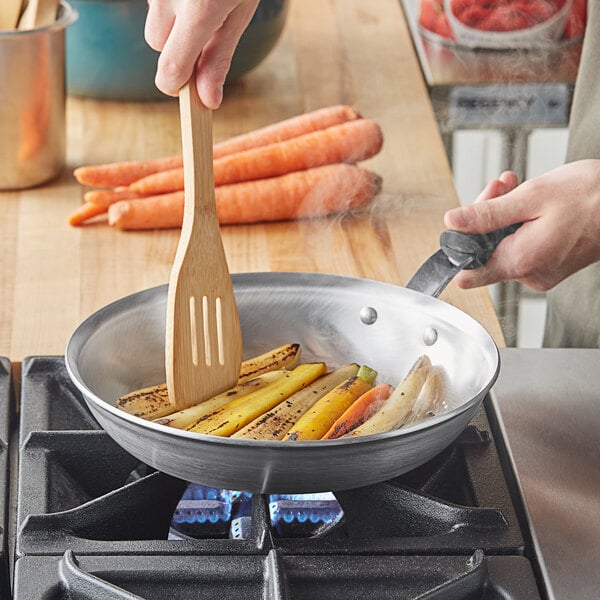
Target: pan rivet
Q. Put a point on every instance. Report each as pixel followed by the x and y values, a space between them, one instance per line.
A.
pixel 368 315
pixel 430 336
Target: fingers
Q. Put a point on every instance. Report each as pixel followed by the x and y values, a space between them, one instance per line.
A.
pixel 188 33
pixel 181 50
pixel 217 54
pixel 501 203
pixel 159 22
pixel 498 187
pixel 481 219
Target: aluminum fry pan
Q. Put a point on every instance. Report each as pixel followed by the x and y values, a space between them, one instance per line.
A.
pixel 336 319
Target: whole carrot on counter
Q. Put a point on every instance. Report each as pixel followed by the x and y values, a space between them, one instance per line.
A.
pixel 96 202
pixel 303 194
pixel 321 118
pixel 346 143
pixel 125 173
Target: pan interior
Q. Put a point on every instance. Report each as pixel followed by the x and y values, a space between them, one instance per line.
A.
pixel 121 347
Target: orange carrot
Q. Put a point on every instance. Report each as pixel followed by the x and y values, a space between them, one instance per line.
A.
pixel 302 194
pixel 358 412
pixel 106 197
pixel 159 183
pixel 97 203
pixel 287 129
pixel 123 173
pixel 348 142
pixel 85 212
pixel 164 211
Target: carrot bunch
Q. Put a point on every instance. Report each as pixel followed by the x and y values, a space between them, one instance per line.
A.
pixel 301 167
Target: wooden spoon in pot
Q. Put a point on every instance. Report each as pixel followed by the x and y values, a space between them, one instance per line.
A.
pixel 203 336
pixel 38 13
pixel 10 11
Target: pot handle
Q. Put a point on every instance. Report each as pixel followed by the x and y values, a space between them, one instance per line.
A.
pixel 457 251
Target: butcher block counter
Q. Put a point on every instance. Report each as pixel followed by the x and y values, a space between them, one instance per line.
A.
pixel 345 51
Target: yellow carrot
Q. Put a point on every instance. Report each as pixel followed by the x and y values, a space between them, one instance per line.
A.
pixel 235 414
pixel 317 420
pixel 275 423
pixel 188 417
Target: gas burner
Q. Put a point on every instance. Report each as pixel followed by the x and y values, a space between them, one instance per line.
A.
pixel 205 512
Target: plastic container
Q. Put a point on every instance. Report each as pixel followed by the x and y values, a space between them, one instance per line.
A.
pixel 108 58
pixel 546 33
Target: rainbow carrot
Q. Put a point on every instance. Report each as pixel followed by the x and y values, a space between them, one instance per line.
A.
pixel 358 412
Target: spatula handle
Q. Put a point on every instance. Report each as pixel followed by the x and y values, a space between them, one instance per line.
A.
pixel 197 148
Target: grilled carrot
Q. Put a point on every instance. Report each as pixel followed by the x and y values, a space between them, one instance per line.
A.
pixel 275 423
pixel 345 143
pixel 315 192
pixel 398 406
pixel 314 423
pixel 123 173
pixel 153 402
pixel 358 412
pixel 239 412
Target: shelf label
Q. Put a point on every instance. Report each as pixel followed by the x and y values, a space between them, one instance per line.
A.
pixel 509 105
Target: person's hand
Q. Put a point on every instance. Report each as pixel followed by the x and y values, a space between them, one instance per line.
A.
pixel 202 33
pixel 560 234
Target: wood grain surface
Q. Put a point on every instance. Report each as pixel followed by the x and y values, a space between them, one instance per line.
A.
pixel 52 276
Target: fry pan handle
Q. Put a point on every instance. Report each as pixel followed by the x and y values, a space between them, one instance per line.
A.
pixel 457 251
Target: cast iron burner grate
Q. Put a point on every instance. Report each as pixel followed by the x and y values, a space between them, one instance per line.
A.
pixel 275 576
pixel 88 513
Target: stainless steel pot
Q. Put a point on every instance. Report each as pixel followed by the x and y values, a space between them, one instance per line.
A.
pixel 336 319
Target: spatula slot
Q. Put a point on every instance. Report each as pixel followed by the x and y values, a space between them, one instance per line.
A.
pixel 218 313
pixel 206 330
pixel 193 331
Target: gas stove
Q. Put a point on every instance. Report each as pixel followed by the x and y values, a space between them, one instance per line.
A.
pixel 87 520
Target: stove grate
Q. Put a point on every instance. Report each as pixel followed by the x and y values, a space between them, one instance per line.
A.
pixel 275 576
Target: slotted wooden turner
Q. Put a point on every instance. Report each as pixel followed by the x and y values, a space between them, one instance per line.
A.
pixel 203 345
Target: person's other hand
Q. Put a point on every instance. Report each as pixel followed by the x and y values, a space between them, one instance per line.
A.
pixel 560 235
pixel 202 33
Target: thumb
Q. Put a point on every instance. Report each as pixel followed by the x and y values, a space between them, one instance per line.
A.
pixel 483 217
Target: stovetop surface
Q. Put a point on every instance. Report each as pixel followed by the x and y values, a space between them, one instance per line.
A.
pixel 90 521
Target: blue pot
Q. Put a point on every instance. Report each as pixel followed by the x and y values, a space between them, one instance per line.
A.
pixel 108 58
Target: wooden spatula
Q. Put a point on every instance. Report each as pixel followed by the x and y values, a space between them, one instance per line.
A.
pixel 203 336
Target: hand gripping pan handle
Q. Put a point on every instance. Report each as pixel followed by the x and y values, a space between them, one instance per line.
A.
pixel 457 251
